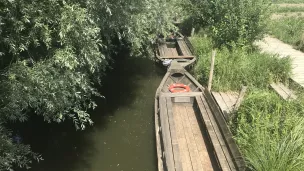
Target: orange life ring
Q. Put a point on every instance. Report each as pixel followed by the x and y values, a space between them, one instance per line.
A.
pixel 185 88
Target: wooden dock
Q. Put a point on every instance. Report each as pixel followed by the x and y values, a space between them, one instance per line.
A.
pixel 191 132
pixel 229 101
pixel 226 101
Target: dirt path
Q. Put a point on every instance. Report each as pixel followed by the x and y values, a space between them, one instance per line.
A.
pixel 275 46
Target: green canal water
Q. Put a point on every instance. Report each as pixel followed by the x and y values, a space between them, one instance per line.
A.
pixel 122 137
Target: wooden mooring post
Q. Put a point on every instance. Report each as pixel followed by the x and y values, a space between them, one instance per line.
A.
pixel 211 70
pixel 240 98
pixel 192 31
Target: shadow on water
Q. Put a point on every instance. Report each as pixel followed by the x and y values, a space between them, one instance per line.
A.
pixel 122 137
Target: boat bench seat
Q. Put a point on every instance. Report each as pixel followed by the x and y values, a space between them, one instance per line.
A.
pixel 184 48
pixel 162 49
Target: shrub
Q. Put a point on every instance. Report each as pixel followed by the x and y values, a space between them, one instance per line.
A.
pixel 238 21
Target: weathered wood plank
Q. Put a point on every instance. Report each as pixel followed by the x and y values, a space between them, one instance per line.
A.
pixel 226 156
pixel 233 148
pixel 191 78
pixel 181 94
pixel 233 96
pixel 283 91
pixel 240 98
pixel 176 56
pixel 184 48
pixel 219 100
pixel 289 92
pixel 174 139
pixel 182 142
pixel 162 49
pixel 279 91
pixel 166 134
pixel 195 159
pixel 174 52
pixel 229 103
pixel 162 84
pixel 221 103
pixel 213 135
pixel 196 127
pixel 157 132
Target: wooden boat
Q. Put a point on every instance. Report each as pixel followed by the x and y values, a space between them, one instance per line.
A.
pixel 176 48
pixel 191 133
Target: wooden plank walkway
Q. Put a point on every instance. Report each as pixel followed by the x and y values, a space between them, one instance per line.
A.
pixel 275 46
pixel 226 101
pixel 283 91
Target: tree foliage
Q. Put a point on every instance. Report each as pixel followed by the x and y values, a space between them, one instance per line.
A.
pixel 53 53
pixel 14 153
pixel 228 21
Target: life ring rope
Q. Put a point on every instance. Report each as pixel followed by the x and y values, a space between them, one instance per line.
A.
pixel 182 88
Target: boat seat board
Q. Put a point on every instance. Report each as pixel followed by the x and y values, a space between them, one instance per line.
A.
pixel 184 48
pixel 176 57
pixel 162 49
pixel 283 91
pixel 166 135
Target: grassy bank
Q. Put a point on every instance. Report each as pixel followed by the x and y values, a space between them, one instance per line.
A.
pixel 270 132
pixel 289 30
pixel 289 9
pixel 288 1
pixel 238 66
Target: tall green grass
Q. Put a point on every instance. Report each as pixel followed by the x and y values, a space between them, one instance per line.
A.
pixel 289 9
pixel 289 30
pixel 270 132
pixel 288 1
pixel 238 66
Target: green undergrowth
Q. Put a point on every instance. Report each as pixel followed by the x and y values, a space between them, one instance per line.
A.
pixel 289 9
pixel 289 30
pixel 288 1
pixel 270 132
pixel 238 66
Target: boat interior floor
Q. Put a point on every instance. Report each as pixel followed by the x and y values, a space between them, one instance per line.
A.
pixel 191 147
